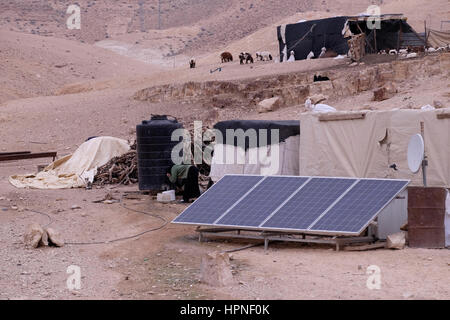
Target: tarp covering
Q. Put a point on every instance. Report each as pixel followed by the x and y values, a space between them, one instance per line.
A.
pixel 286 129
pixel 277 159
pixel 312 35
pixel 366 148
pixel 69 171
pixel 438 38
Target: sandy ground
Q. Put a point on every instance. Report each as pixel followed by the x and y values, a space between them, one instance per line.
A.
pixel 165 264
pixel 55 93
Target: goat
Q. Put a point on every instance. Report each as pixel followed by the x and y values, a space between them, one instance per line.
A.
pixel 321 108
pixel 416 49
pixel 320 78
pixel 245 56
pixel 291 56
pixel 226 57
pixel 263 56
pixel 327 53
pixel 192 63
pixel 310 55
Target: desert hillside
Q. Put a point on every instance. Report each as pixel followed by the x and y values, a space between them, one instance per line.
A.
pixel 59 87
pixel 218 22
pixel 33 65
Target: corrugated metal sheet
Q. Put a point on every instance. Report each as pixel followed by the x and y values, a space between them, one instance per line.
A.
pixel 426 214
pixel 410 39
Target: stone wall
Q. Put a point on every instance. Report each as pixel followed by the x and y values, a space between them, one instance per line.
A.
pixel 294 88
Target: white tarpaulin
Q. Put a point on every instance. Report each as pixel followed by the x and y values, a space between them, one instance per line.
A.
pixel 70 171
pixel 366 148
pixel 277 159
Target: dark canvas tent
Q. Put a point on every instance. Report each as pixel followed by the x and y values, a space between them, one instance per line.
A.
pixel 304 37
pixel 312 35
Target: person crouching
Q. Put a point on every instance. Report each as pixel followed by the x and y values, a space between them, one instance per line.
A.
pixel 184 175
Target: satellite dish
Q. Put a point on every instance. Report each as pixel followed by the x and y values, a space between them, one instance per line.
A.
pixel 416 153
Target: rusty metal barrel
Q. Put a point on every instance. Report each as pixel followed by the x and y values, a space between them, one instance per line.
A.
pixel 426 215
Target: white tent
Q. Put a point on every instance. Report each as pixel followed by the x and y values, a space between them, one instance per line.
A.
pixel 367 147
pixel 277 156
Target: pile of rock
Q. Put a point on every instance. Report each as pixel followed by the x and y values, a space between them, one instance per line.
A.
pixel 36 236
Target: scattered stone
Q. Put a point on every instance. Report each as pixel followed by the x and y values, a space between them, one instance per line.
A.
pixel 268 105
pixel 55 237
pixel 14 208
pixel 385 92
pixel 407 295
pixel 44 239
pixel 438 104
pixel 215 269
pixel 33 235
pixel 396 240
pixel 75 207
pixel 318 98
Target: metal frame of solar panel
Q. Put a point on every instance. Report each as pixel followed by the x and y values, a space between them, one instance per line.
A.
pixel 312 205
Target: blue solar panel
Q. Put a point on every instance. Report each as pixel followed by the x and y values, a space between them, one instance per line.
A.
pixel 262 201
pixel 359 206
pixel 320 205
pixel 218 199
pixel 308 203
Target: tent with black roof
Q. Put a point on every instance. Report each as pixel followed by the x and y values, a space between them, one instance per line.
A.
pixel 333 33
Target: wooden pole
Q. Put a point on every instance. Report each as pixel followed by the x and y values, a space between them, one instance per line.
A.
pixel 375 39
pixel 425 26
pixel 365 38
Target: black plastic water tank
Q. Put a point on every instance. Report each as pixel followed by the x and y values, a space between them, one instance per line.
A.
pixel 154 150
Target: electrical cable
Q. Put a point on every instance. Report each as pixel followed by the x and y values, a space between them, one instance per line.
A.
pixel 244 248
pixel 165 222
pixel 41 213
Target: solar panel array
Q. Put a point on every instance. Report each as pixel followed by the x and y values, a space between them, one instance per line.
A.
pixel 284 203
